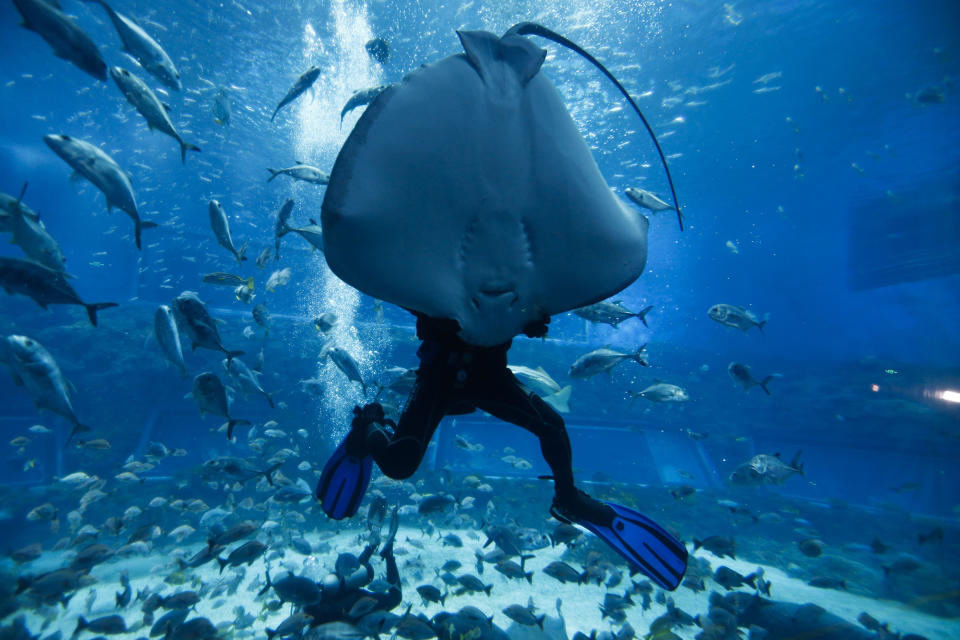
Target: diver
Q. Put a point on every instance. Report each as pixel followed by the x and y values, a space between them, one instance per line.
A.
pixel 344 590
pixel 456 378
pixel 474 259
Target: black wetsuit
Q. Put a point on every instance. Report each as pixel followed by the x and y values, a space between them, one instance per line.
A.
pixel 336 607
pixel 456 378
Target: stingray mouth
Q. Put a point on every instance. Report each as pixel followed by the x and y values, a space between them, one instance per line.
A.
pixel 495 295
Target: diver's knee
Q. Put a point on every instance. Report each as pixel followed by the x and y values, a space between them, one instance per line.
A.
pixel 402 458
pixel 551 420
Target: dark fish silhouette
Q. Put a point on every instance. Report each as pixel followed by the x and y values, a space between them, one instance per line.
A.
pixel 45 286
pixel 68 40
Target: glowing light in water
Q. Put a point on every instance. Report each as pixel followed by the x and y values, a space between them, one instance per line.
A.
pixel 949 395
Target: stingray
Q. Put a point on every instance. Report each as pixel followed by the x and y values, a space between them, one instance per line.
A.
pixel 466 191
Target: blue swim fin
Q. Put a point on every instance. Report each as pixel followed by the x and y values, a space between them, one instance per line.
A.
pixel 645 544
pixel 343 483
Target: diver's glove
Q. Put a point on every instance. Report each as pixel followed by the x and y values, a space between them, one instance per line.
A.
pixel 367 421
pixel 537 329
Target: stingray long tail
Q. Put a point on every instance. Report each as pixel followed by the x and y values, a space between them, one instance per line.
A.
pixel 532 28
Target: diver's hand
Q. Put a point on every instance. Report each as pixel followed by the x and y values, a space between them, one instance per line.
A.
pixel 537 328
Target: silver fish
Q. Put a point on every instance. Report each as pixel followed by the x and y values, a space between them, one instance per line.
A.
pixel 30 234
pixel 68 40
pixel 301 171
pixel 304 82
pixel 603 359
pixel 7 205
pixel 325 321
pixel 228 280
pixel 165 328
pixel 195 320
pixel 540 382
pixel 741 374
pixel 99 168
pixel 145 49
pixel 647 200
pixel 235 470
pixel 765 469
pixel 44 286
pixel 221 229
pixel 243 293
pixel 282 216
pixel 661 392
pixel 146 102
pixel 278 278
pixel 312 233
pixel 263 258
pixel 211 396
pixel 611 313
pixel 261 315
pixel 35 369
pixel 248 379
pixel 345 362
pixel 736 317
pixel 361 98
pixel 221 108
pixel 536 379
pixel 313 385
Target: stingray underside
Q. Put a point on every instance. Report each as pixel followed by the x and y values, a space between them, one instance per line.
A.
pixel 466 191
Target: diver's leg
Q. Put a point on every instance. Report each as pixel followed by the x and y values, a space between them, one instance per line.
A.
pixel 399 454
pixel 502 396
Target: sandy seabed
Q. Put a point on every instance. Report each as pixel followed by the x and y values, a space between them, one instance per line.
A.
pixel 579 603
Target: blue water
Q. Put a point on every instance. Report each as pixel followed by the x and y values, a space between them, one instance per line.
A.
pixel 796 189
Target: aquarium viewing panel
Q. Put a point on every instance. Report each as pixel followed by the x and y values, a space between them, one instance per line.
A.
pixel 905 237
